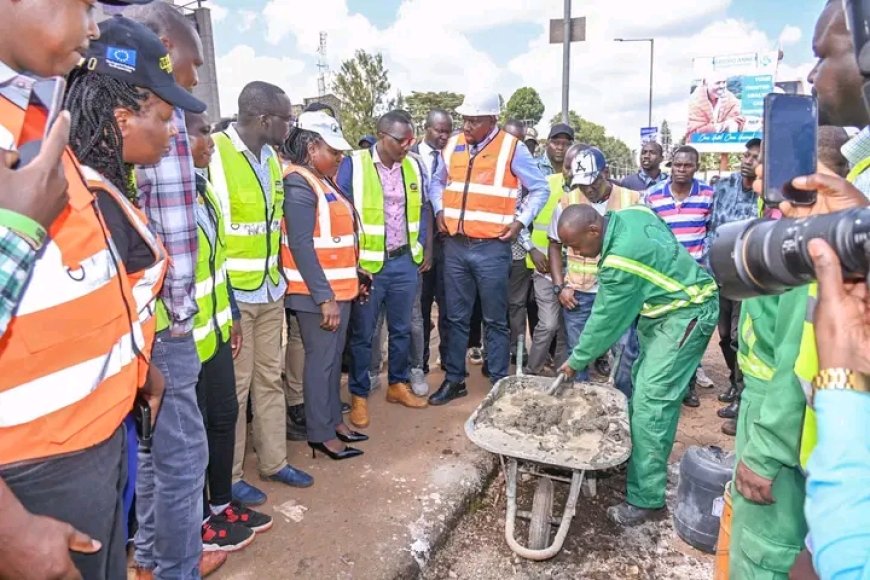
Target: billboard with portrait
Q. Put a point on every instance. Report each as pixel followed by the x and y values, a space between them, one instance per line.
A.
pixel 726 105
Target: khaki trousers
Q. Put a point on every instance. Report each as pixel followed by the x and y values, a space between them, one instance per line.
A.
pixel 258 372
pixel 294 363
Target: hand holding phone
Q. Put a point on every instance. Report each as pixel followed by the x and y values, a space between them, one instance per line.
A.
pixel 790 147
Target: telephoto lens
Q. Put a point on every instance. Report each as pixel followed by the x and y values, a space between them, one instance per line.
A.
pixel 756 257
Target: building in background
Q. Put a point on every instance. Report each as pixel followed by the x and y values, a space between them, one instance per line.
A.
pixel 327 99
pixel 200 16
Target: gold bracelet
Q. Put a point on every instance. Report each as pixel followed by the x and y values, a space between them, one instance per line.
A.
pixel 840 379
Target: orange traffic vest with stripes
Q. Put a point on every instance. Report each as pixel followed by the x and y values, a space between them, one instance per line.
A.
pixel 71 358
pixel 145 284
pixel 480 197
pixel 335 241
pixel 582 272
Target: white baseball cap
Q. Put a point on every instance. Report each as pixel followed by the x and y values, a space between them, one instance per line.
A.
pixel 587 166
pixel 325 126
pixel 480 105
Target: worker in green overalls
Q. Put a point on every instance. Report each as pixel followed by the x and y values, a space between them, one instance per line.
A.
pixel 643 271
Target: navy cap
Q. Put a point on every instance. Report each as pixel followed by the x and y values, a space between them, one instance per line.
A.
pixel 561 129
pixel 369 139
pixel 131 52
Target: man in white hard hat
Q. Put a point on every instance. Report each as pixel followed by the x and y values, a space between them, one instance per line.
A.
pixel 474 195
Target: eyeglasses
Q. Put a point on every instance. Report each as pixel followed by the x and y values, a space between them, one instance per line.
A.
pixel 289 119
pixel 403 141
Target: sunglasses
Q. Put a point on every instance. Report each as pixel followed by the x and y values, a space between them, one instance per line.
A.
pixel 403 141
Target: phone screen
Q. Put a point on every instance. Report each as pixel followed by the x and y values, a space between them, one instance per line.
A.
pixel 790 146
pixel 46 103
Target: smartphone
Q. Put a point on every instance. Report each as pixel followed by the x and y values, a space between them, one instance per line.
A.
pixel 46 103
pixel 142 416
pixel 789 147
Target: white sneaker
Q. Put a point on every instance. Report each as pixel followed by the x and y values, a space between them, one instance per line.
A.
pixel 418 383
pixel 375 381
pixel 702 380
pixel 475 356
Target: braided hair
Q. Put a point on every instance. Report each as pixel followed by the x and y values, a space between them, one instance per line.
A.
pixel 95 136
pixel 295 148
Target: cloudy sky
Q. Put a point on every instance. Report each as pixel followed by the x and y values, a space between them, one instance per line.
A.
pixel 463 45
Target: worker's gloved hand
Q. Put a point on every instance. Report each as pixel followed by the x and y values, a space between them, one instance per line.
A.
pixel 842 318
pixel 752 486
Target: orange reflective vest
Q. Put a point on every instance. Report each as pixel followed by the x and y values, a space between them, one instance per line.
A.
pixel 480 198
pixel 73 355
pixel 335 241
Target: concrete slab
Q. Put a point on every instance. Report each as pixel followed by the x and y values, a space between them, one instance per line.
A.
pixel 380 515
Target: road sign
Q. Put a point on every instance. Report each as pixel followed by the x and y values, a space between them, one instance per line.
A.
pixel 648 134
pixel 578 30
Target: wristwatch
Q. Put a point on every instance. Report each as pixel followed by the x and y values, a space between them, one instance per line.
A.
pixel 557 289
pixel 840 379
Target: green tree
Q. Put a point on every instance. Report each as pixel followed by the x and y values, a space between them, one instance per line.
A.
pixel 361 85
pixel 419 104
pixel 524 105
pixel 619 156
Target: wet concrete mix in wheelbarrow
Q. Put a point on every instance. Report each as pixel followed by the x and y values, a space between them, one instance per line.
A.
pixel 581 425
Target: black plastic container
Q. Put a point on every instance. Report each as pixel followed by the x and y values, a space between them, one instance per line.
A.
pixel 704 471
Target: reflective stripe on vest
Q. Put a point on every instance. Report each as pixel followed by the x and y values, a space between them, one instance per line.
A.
pixel 147 283
pixel 334 241
pixel 69 360
pixel 749 363
pixel 806 367
pixel 480 197
pixel 582 272
pixel 368 195
pixel 540 239
pixel 214 319
pixel 695 294
pixel 253 229
pixel 859 168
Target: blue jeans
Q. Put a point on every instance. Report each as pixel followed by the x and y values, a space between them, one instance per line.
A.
pixel 575 322
pixel 394 289
pixel 473 267
pixel 626 352
pixel 172 473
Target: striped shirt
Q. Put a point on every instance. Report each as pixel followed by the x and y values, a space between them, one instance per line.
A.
pixel 688 219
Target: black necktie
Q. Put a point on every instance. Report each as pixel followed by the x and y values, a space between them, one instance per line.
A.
pixel 435 156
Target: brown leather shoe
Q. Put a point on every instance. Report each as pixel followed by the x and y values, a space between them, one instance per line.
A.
pixel 401 393
pixel 729 427
pixel 359 411
pixel 211 561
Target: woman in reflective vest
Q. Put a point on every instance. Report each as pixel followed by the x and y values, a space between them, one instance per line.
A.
pixel 481 194
pixel 319 256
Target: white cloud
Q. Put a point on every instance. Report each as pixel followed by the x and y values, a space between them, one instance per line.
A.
pixel 241 65
pixel 790 35
pixel 218 12
pixel 431 46
pixel 246 19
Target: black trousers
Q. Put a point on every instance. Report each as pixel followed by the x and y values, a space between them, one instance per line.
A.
pixel 216 394
pixel 84 490
pixel 729 323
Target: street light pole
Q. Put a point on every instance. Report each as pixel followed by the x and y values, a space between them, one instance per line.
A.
pixel 652 52
pixel 566 60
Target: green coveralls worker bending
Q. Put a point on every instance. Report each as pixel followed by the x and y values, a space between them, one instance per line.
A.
pixel 643 270
pixel 766 538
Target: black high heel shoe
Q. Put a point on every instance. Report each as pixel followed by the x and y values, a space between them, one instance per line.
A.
pixel 346 453
pixel 352 437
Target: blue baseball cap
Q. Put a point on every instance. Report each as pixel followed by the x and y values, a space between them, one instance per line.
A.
pixel 587 166
pixel 131 52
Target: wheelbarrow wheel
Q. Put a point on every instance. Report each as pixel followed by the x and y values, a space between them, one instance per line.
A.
pixel 542 511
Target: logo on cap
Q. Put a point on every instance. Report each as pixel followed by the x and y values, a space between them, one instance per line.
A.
pixel 123 59
pixel 165 64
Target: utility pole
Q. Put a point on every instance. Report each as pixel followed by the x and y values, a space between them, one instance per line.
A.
pixel 322 66
pixel 564 32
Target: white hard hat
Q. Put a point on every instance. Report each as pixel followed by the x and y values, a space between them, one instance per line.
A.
pixel 480 105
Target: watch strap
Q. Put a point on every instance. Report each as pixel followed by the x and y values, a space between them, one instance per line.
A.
pixel 840 379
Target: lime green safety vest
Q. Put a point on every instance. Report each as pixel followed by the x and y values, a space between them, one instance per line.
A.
pixel 213 322
pixel 540 240
pixel 806 367
pixel 252 217
pixel 747 357
pixel 368 198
